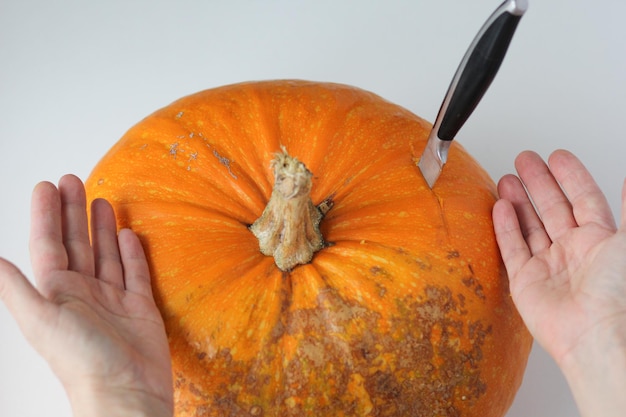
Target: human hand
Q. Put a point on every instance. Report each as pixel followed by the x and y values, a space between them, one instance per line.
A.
pixel 566 262
pixel 92 316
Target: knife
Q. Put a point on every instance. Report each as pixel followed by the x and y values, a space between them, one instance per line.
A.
pixel 472 78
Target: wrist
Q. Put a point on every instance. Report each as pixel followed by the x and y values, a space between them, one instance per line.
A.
pixel 117 403
pixel 596 370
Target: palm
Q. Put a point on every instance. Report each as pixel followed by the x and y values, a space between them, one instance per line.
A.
pixel 97 321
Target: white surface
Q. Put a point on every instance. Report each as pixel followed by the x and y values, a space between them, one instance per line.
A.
pixel 75 75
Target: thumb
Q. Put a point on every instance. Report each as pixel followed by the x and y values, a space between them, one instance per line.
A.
pixel 21 298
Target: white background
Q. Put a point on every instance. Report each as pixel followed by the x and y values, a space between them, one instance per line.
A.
pixel 75 75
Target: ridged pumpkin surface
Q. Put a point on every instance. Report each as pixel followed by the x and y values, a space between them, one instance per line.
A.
pixel 404 312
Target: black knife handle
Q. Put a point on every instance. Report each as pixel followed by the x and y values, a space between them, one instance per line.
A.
pixel 478 68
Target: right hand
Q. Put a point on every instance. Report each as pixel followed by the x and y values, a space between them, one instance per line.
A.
pixel 566 262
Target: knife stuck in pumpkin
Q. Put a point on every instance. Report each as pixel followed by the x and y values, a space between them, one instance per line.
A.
pixel 472 78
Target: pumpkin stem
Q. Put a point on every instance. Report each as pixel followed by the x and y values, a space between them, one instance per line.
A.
pixel 288 229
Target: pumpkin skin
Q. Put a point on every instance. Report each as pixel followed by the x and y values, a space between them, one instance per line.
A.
pixel 405 311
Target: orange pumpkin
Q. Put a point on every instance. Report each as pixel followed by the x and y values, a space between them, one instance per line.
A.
pixel 403 309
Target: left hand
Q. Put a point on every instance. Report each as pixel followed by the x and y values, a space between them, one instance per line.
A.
pixel 92 317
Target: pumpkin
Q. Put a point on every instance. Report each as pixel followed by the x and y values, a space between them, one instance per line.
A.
pixel 303 266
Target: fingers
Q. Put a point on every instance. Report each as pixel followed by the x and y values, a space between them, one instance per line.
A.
pixel 120 259
pixel 74 225
pixel 108 263
pixel 137 273
pixel 530 225
pixel 60 239
pixel 60 234
pixel 553 206
pixel 588 202
pixel 513 247
pixel 46 236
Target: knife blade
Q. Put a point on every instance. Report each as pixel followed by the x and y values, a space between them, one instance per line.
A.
pixel 475 73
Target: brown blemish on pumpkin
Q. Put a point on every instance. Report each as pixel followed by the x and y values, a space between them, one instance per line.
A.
pixel 382 290
pixel 472 283
pixel 376 270
pixel 224 161
pixel 174 150
pixel 343 363
pixel 423 264
pixel 196 391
